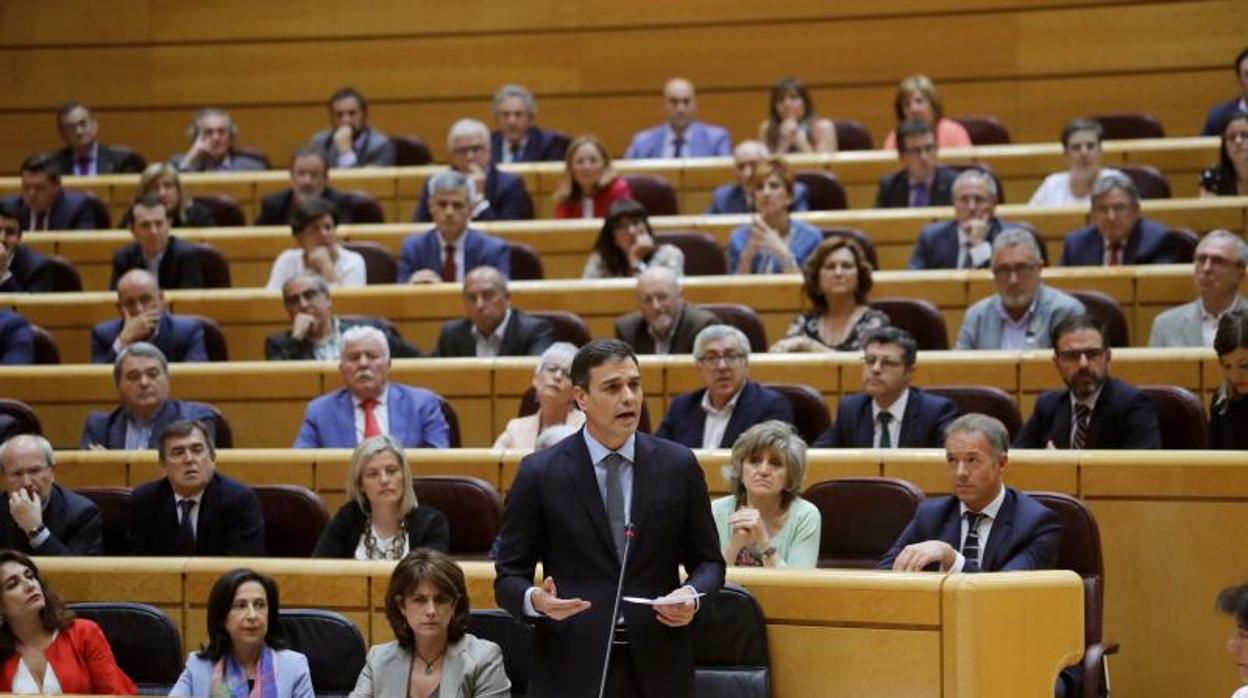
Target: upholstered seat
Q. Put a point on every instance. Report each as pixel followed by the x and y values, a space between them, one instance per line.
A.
pixel 862 517
pixel 293 519
pixel 333 645
pixel 473 508
pixel 144 641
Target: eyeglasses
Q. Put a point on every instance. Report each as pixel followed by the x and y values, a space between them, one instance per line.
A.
pixel 307 295
pixel 19 475
pixel 1073 355
pixel 728 357
pixel 870 360
pixel 1022 271
pixel 468 149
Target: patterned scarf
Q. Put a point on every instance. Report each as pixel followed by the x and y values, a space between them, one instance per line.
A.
pixel 230 681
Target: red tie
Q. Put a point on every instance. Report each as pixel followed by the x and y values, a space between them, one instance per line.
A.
pixel 1115 255
pixel 371 427
pixel 448 263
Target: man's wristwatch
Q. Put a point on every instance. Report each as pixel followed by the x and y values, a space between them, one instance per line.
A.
pixel 37 532
pixel 766 554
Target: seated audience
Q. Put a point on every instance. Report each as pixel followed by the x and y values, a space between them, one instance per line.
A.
pixel 432 653
pixel 43 204
pixel 246 649
pixel 729 403
pixel 552 384
pixel 39 517
pixel 499 195
pixel 917 99
pixel 492 326
pixel 176 264
pixel 43 647
pixel 1081 145
pixel 141 304
pixel 739 197
pixel 381 519
pixel 772 242
pixel 1117 235
pixel 985 526
pixel 665 324
pixel 17 342
pixel 921 181
pixel 315 332
pixel 681 135
pixel 1233 601
pixel 589 185
pixel 212 133
pixel 791 125
pixel 1228 415
pixel 765 522
pixel 516 137
pixel 451 249
pixel 1220 113
pixel 309 177
pixel 161 179
pixel 141 375
pixel 193 509
pixel 966 241
pixel 83 154
pixel 1230 176
pixel 314 224
pixel 1220 261
pixel 1022 313
pixel 625 245
pixel 369 405
pixel 889 412
pixel 552 435
pixel 837 280
pixel 1095 411
pixel 350 141
pixel 22 269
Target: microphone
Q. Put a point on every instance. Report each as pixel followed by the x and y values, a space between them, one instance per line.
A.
pixel 630 531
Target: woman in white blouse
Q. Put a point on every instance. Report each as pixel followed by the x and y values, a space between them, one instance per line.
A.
pixel 314 223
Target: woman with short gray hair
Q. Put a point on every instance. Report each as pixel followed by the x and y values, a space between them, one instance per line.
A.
pixel 553 386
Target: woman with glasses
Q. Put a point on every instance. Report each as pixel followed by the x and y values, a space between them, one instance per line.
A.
pixel 433 654
pixel 553 385
pixel 381 519
pixel 1228 415
pixel 1081 145
pixel 625 246
pixel 837 281
pixel 773 242
pixel 1230 176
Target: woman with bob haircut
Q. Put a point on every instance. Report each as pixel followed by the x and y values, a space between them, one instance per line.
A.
pixel 246 651
pixel 765 522
pixel 918 98
pixel 773 242
pixel 1228 415
pixel 381 519
pixel 837 281
pixel 432 653
pixel 625 245
pixel 552 383
pixel 791 125
pixel 161 179
pixel 43 647
pixel 589 185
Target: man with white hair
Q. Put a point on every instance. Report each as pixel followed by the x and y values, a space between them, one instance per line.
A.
pixel 966 241
pixel 500 195
pixel 370 405
pixel 212 133
pixel 1219 270
pixel 452 249
pixel 39 517
pixel 516 137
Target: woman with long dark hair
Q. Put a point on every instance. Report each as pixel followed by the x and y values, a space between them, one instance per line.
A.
pixel 625 246
pixel 1228 415
pixel 1230 176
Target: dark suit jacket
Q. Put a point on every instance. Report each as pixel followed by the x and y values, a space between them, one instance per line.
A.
pixel 1123 418
pixel 1024 536
pixel 415 415
pixel 280 346
pixel 422 251
pixel 182 265
pixel 1145 245
pixel 937 246
pixel 107 160
pixel 540 145
pixel 894 191
pixel 69 212
pixel 179 338
pixel 108 429
pixel 229 524
pixel 508 198
pixel 73 520
pixel 239 162
pixel 17 344
pixel 275 209
pixel 632 329
pixel 556 516
pixel 923 425
pixel 1219 114
pixel 29 272
pixel 685 418
pixel 524 335
pixel 426 528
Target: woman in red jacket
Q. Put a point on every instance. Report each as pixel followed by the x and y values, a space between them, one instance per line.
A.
pixel 589 184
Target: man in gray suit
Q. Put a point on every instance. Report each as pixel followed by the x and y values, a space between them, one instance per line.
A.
pixel 351 142
pixel 1219 270
pixel 1023 310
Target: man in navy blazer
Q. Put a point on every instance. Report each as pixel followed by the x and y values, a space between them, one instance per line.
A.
pixel 370 405
pixel 966 241
pixel 735 198
pixel 889 413
pixel 17 342
pixel 141 375
pixel 141 304
pixel 451 249
pixel 83 154
pixel 38 516
pixel 681 135
pixel 985 526
pixel 309 174
pixel 193 509
pixel 501 195
pixel 516 137
pixel 44 205
pixel 22 270
pixel 1118 235
pixel 1095 411
pixel 715 416
pixel 179 264
pixel 1215 122
pixel 492 327
pixel 921 181
pixel 573 507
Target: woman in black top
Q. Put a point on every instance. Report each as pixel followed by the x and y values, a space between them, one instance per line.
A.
pixel 1230 176
pixel 1228 415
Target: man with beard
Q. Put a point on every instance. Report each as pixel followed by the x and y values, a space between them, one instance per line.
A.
pixel 665 324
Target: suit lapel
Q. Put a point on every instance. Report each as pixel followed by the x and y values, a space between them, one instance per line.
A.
pixel 470 250
pixel 209 513
pixel 467 343
pixel 164 417
pixel 580 471
pixel 866 425
pixel 740 414
pixel 645 470
pixel 1002 534
pixel 508 347
pixel 1097 421
pixel 345 426
pixel 1059 432
pixel 951 529
pixel 905 437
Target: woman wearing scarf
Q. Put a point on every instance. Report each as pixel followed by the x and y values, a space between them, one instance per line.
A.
pixel 245 655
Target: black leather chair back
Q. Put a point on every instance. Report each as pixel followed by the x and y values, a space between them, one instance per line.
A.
pixel 852 135
pixel 566 326
pixel 823 190
pixel 1180 244
pixel 743 318
pixel 1181 416
pixel 410 150
pixel 703 255
pixel 730 646
pixel 918 317
pixel 361 207
pixel 98 210
pixel 224 209
pixel 380 267
pixel 215 267
pixel 810 412
pixel 655 193
pixel 114 506
pixel 984 399
pixel 985 130
pixel 144 641
pixel 293 519
pixel 45 350
pixel 512 636
pixel 65 278
pixel 862 517
pixel 214 339
pixel 526 263
pixel 452 421
pixel 473 508
pixel 1149 180
pixel 23 418
pixel 1103 307
pixel 1126 124
pixel 333 645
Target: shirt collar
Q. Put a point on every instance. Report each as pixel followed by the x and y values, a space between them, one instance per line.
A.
pixel 993 507
pixel 1027 316
pixel 498 331
pixel 1090 402
pixel 597 451
pixel 728 406
pixel 380 399
pixel 897 409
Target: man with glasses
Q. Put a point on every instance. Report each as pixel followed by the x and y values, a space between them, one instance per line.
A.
pixel 315 332
pixel 921 182
pixel 1095 411
pixel 83 154
pixel 889 413
pixel 500 195
pixel 492 327
pixel 1023 311
pixel 1221 258
pixel 665 324
pixel 39 517
pixel 966 241
pixel 714 416
pixel 1118 235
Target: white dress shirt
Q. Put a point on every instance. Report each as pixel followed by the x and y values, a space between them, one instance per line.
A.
pixel 717 419
pixel 984 528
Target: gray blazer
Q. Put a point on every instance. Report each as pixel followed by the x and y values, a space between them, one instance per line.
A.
pixel 982 327
pixel 1180 326
pixel 473 668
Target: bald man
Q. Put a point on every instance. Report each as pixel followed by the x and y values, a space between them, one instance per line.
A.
pixel 141 304
pixel 38 516
pixel 737 198
pixel 664 324
pixel 491 326
pixel 681 135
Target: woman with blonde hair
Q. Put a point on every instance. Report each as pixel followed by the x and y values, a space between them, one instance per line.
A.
pixel 589 184
pixel 161 179
pixel 917 98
